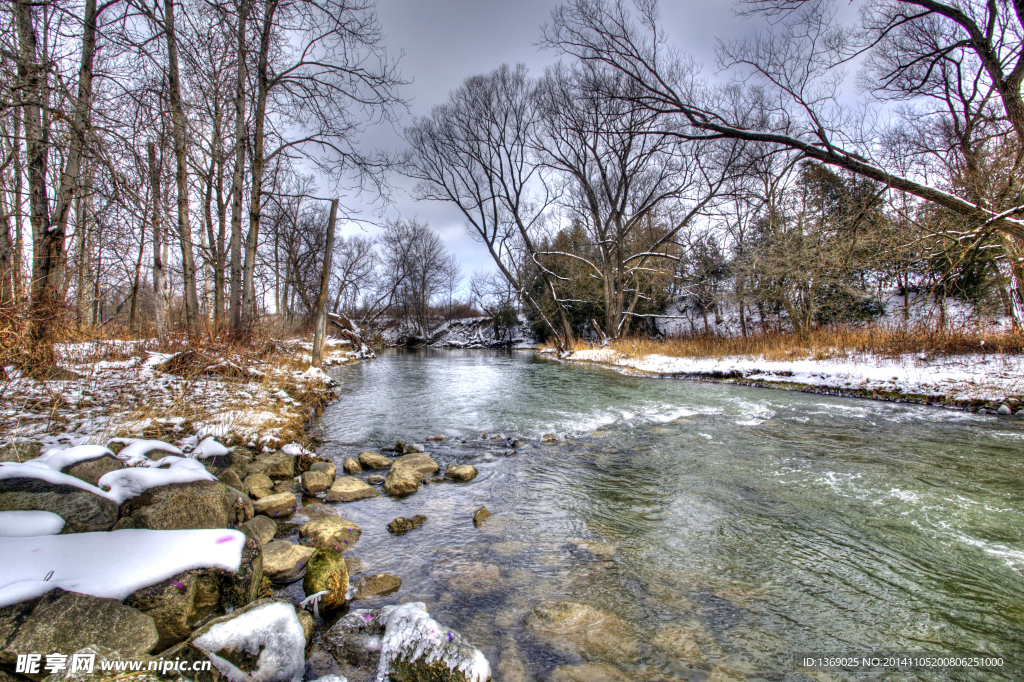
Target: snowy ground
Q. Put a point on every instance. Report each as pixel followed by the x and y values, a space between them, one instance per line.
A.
pixel 122 392
pixel 964 380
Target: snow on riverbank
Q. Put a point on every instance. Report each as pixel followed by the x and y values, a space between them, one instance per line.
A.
pixel 122 386
pixel 963 380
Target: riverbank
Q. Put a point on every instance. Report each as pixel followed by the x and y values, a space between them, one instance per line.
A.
pixel 974 382
pixel 173 391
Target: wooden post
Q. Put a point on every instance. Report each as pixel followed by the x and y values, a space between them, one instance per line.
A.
pixel 325 286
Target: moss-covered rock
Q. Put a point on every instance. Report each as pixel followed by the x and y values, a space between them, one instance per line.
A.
pixel 327 572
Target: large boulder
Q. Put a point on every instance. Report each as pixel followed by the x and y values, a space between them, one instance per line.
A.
pixel 264 640
pixel 278 505
pixel 65 622
pixel 376 585
pixel 82 511
pixel 460 472
pixel 401 482
pixel 326 572
pixel 331 532
pixel 402 642
pixel 275 465
pixel 179 506
pixel 260 528
pixel 258 481
pixel 418 462
pixel 229 477
pixel 179 603
pixel 315 482
pixel 350 489
pixel 592 633
pixel 91 470
pixel 20 451
pixel 328 468
pixel 374 460
pixel 284 562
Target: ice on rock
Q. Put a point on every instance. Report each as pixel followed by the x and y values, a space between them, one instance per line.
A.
pixel 58 459
pixel 125 484
pixel 112 564
pixel 136 450
pixel 21 524
pixel 411 634
pixel 209 448
pixel 331 678
pixel 272 631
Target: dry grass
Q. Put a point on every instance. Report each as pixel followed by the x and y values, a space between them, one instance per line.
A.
pixel 827 343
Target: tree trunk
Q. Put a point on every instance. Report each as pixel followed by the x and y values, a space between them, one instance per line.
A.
pixel 178 133
pixel 325 289
pixel 235 302
pixel 159 297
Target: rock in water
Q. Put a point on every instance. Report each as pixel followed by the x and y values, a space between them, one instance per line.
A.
pixel 327 467
pixel 418 462
pixel 178 603
pixel 401 482
pixel 480 515
pixel 332 532
pixel 351 466
pixel 91 470
pixel 82 511
pixel 276 506
pixel 374 460
pixel 404 525
pixel 260 528
pixel 376 479
pixel 582 629
pixel 376 585
pixel 588 672
pixel 64 622
pixel 1004 410
pixel 315 482
pixel 284 562
pixel 264 640
pixel 402 642
pixel 327 572
pixel 549 439
pixel 350 489
pixel 460 472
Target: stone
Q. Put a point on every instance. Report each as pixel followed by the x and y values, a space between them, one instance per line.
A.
pixel 65 622
pixel 181 601
pixel 288 486
pixel 20 451
pixel 332 532
pixel 275 465
pixel 91 470
pixel 517 443
pixel 682 642
pixel 549 439
pixel 376 585
pixel 306 621
pixel 598 549
pixel 480 515
pixel 351 466
pixel 355 565
pixel 461 472
pixel 238 505
pixel 327 467
pixel 376 479
pixel 285 562
pixel 474 578
pixel 260 528
pixel 374 460
pixel 315 482
pixel 419 462
pixel 279 505
pixel 437 439
pixel 260 493
pixel 588 672
pixel 349 489
pixel 82 511
pixel 401 482
pixel 258 482
pixel 1004 410
pixel 189 656
pixel 229 477
pixel 326 571
pixel 270 639
pixel 594 634
pixel 404 525
pixel 179 506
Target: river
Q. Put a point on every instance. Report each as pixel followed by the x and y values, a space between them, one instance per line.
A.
pixel 712 531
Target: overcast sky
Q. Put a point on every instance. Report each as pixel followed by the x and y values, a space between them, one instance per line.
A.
pixel 442 42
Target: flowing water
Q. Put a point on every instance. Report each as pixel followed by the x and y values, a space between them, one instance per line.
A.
pixel 712 532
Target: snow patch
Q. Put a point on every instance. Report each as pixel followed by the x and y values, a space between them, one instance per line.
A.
pixel 128 483
pixel 58 459
pixel 209 448
pixel 21 524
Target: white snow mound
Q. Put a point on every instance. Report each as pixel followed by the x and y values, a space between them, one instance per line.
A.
pixel 274 628
pixel 125 484
pixel 21 524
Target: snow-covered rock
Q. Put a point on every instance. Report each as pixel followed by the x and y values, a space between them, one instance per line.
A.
pixel 209 447
pixel 136 451
pixel 111 565
pixel 128 483
pixel 267 629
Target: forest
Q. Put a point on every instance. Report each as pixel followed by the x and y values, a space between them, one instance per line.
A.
pixel 169 167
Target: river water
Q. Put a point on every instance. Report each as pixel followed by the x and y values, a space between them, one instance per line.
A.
pixel 712 532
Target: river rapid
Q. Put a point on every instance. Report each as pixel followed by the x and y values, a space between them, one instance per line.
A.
pixel 711 532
